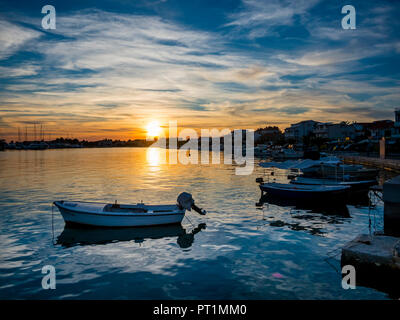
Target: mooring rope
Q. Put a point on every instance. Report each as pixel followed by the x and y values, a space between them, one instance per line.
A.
pixel 52 224
pixel 374 198
pixel 189 221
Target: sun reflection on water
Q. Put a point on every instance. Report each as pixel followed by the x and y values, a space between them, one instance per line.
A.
pixel 155 157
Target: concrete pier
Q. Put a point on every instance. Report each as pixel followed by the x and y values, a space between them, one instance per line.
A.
pixel 387 164
pixel 376 260
pixel 391 199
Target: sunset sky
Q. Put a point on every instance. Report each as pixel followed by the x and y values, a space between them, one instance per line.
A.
pixel 112 67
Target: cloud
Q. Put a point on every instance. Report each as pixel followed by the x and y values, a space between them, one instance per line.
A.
pixel 101 70
pixel 14 37
pixel 295 110
pixel 320 58
pixel 260 17
pixel 22 71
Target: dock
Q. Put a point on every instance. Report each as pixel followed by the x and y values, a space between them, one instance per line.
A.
pixel 387 164
pixel 377 261
pixel 376 257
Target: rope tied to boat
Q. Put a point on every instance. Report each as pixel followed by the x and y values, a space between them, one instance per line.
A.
pixel 52 224
pixel 193 226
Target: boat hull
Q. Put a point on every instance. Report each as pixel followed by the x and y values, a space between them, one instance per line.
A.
pixel 327 196
pixel 355 186
pixel 75 217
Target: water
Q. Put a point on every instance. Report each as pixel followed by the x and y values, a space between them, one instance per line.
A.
pixel 242 251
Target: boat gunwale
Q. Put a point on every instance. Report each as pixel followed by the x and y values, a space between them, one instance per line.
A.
pixel 104 214
pixel 338 188
pixel 335 182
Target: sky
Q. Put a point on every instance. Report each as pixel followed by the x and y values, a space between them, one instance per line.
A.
pixel 112 67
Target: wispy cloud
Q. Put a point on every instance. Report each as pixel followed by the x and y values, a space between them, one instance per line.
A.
pixel 260 17
pixel 14 37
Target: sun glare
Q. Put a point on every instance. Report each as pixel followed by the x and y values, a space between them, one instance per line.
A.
pixel 153 129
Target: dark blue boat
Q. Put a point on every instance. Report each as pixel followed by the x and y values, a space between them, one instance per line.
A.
pixel 315 193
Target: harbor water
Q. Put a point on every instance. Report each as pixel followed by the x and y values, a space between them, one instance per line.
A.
pixel 237 251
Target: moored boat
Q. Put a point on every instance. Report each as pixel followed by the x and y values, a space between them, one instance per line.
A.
pixel 340 171
pixel 326 168
pixel 316 193
pixel 38 146
pixel 285 154
pixel 121 215
pixel 362 185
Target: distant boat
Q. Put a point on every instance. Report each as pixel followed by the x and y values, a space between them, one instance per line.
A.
pixel 326 167
pixel 38 146
pixel 262 150
pixel 287 154
pixel 355 185
pixel 316 193
pixel 340 171
pixel 119 215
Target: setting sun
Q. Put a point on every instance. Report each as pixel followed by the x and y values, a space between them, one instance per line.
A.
pixel 153 129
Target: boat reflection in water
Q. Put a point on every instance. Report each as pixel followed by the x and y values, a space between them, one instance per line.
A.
pixel 313 219
pixel 338 209
pixel 74 236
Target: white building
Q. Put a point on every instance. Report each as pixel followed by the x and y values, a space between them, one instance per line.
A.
pixel 334 131
pixel 299 130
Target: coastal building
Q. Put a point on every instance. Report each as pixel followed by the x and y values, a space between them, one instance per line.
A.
pixel 382 128
pixel 321 129
pixel 105 143
pixel 396 123
pixel 267 134
pixel 334 131
pixel 301 129
pixel 377 129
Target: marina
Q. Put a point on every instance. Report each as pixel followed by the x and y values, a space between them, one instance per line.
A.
pixel 199 150
pixel 222 254
pixel 326 180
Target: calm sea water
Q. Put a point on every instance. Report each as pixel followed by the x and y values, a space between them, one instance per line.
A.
pixel 237 251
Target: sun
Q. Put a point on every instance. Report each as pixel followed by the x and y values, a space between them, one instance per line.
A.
pixel 153 129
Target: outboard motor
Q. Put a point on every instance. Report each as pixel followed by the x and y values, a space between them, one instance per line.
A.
pixel 185 201
pixel 260 180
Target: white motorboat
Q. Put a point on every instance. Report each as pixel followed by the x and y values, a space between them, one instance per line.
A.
pixel 326 167
pixel 125 215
